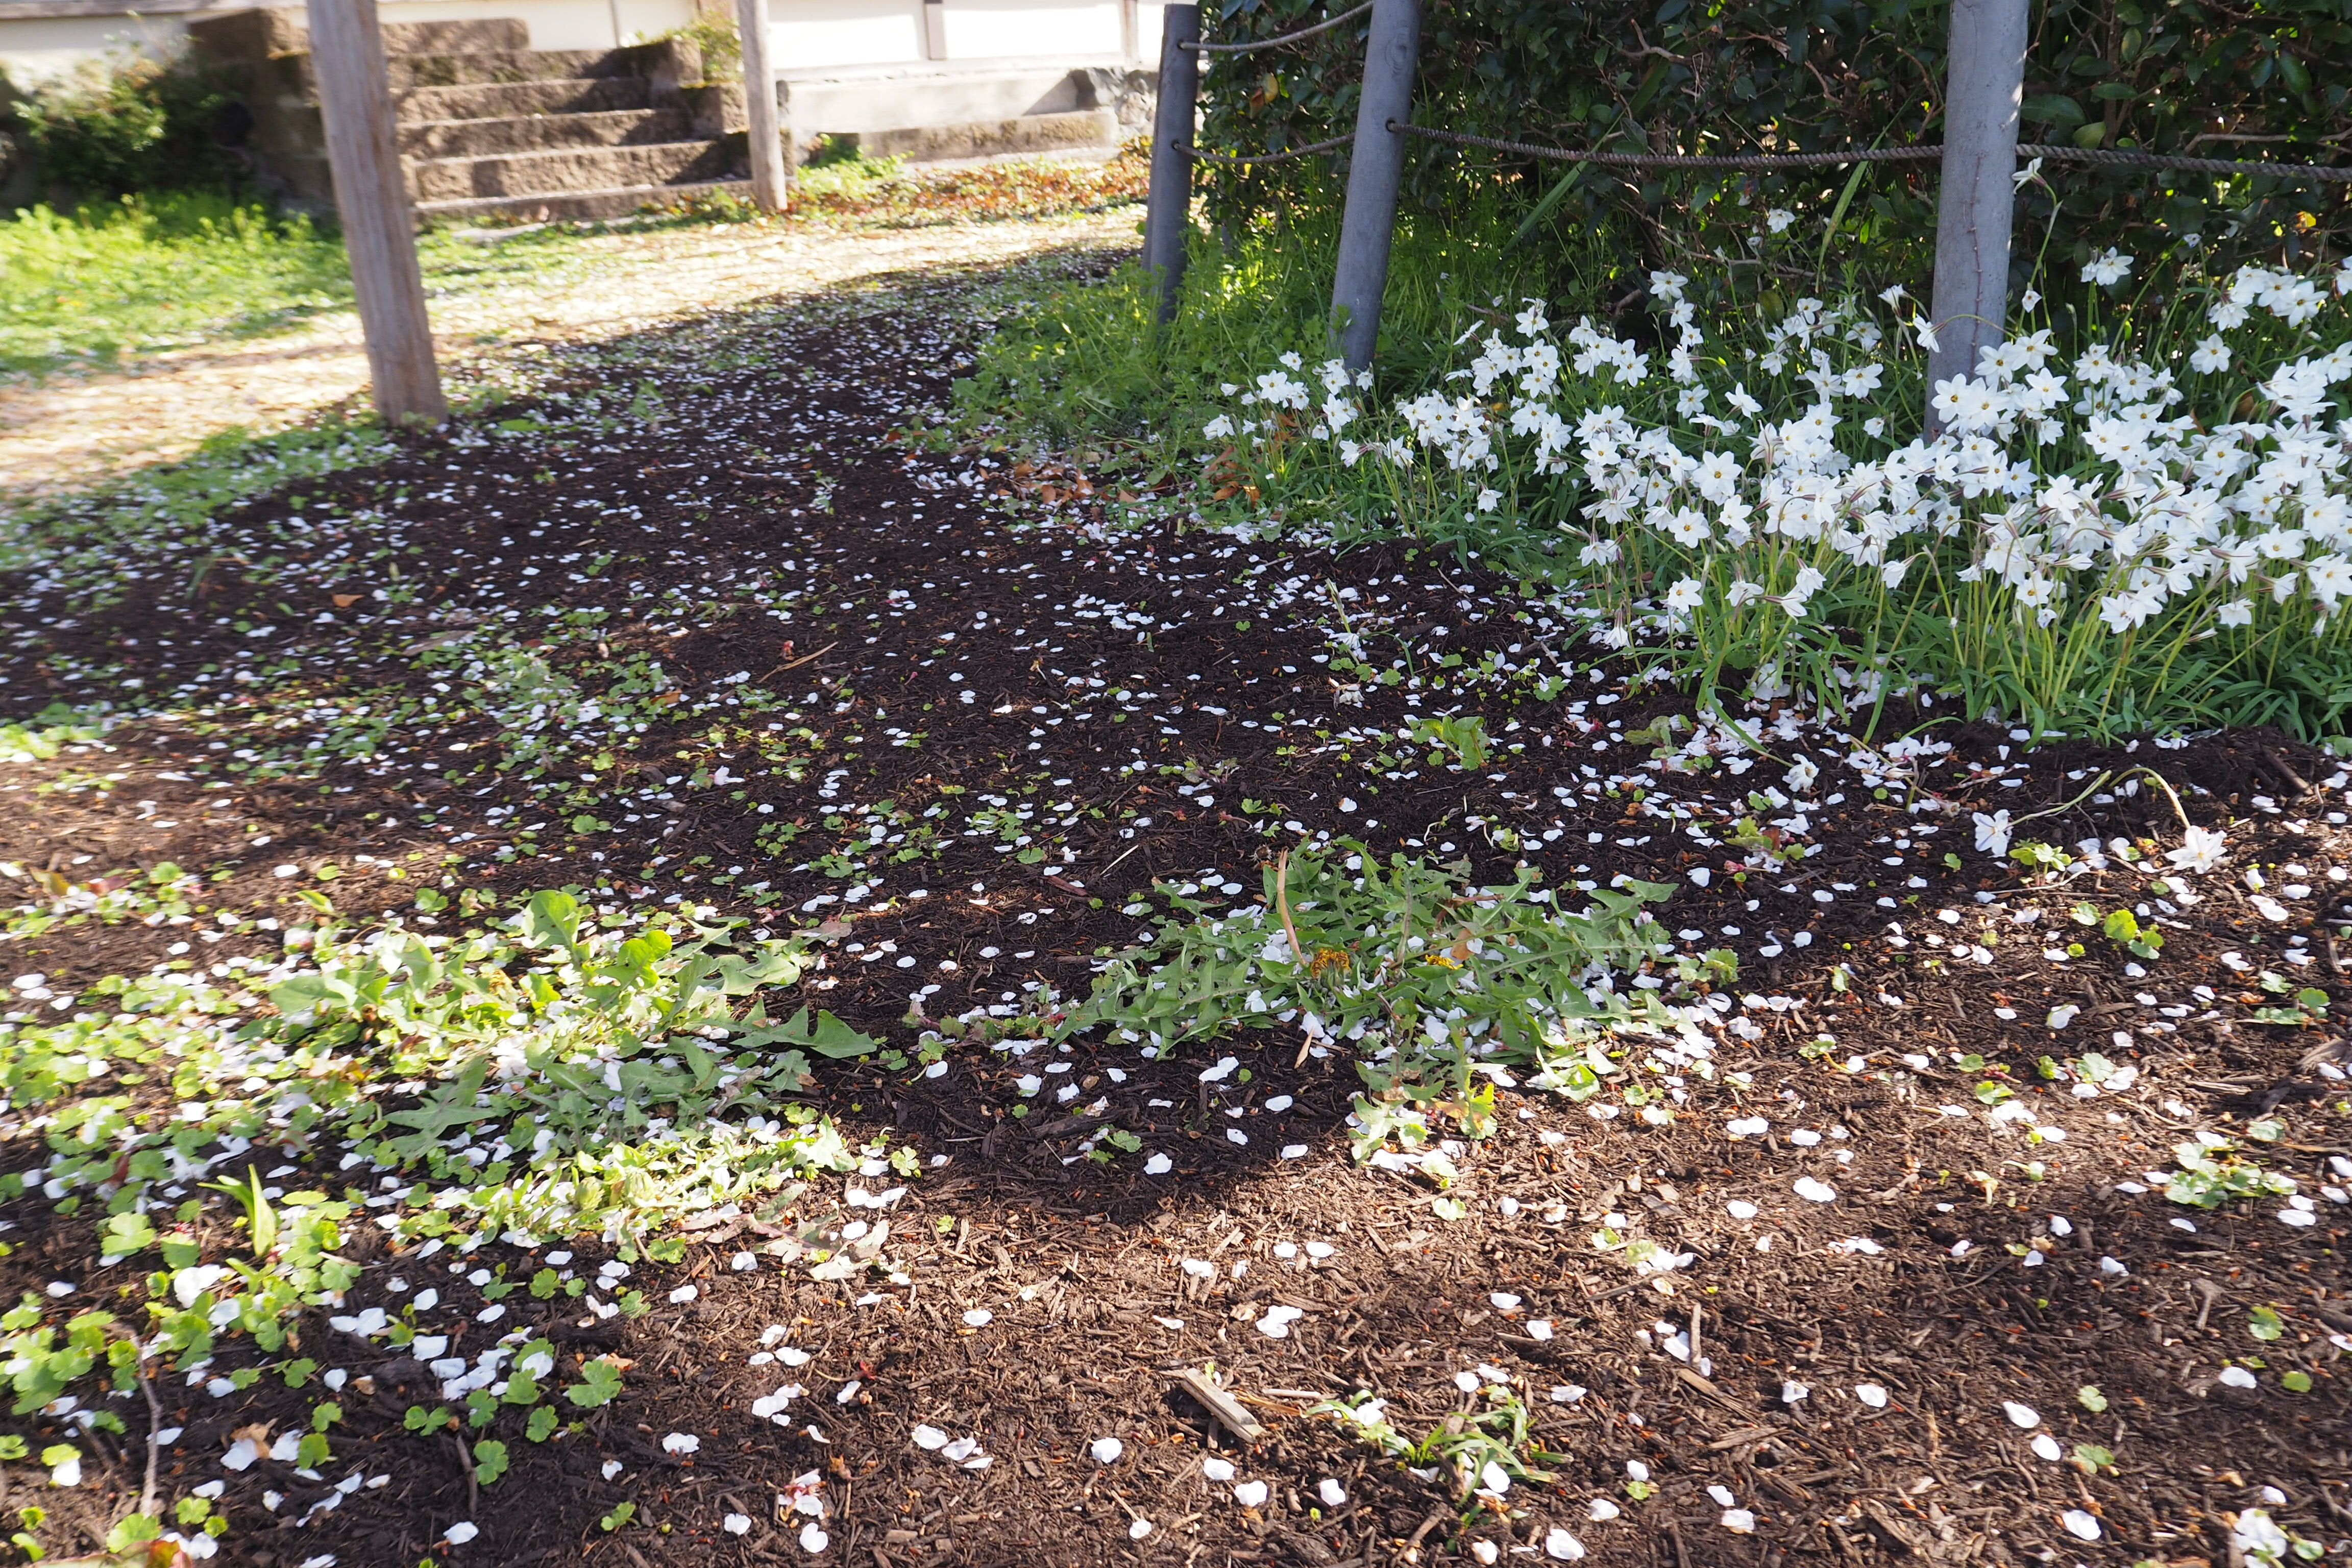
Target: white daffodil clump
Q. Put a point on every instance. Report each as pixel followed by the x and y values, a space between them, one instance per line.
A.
pixel 2149 519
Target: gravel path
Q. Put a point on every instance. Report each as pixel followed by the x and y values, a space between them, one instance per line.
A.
pixel 71 433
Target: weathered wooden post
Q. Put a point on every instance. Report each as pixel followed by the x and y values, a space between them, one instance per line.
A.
pixel 1984 87
pixel 1375 170
pixel 1167 205
pixel 379 230
pixel 769 175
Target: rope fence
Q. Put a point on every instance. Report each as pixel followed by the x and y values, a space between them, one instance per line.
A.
pixel 1767 161
pixel 1976 200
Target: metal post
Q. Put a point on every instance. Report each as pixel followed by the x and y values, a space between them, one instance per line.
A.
pixel 1374 172
pixel 1168 208
pixel 379 230
pixel 769 174
pixel 1984 87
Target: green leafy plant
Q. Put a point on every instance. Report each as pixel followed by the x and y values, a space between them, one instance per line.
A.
pixel 2213 1172
pixel 1427 981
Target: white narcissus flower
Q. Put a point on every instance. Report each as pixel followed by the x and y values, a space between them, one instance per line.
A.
pixel 2201 849
pixel 1992 832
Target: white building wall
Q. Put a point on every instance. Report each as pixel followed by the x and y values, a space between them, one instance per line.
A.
pixel 809 39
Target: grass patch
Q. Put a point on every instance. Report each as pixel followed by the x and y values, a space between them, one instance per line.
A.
pixel 111 281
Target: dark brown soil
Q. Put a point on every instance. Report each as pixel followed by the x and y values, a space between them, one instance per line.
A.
pixel 769 459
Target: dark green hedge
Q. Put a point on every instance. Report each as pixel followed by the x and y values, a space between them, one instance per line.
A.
pixel 2263 79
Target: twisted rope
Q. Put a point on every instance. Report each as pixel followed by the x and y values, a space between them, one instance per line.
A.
pixel 1190 150
pixel 2131 160
pixel 1196 45
pixel 1871 155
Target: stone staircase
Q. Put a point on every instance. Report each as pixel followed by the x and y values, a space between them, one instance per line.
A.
pixel 492 128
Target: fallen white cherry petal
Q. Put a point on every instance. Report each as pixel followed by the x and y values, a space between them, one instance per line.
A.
pixel 1332 1493
pixel 460 1533
pixel 1250 1494
pixel 1107 1451
pixel 1138 1529
pixel 1217 1470
pixel 814 1539
pixel 2023 1415
pixel 681 1443
pixel 1815 1192
pixel 979 1317
pixel 2046 1447
pixel 1601 1510
pixel 926 1438
pixel 1739 1522
pixel 2079 1524
pixel 736 1524
pixel 1562 1547
pixel 1872 1395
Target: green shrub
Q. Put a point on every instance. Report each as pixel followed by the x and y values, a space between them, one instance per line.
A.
pixel 721 47
pixel 134 123
pixel 2193 76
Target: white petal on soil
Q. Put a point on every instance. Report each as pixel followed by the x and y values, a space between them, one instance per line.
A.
pixel 736 1524
pixel 680 1443
pixel 1815 1192
pixel 1250 1494
pixel 2079 1525
pixel 1217 1470
pixel 1503 1300
pixel 1158 1165
pixel 1332 1493
pixel 2046 1447
pixel 1601 1510
pixel 979 1317
pixel 814 1539
pixel 1740 1208
pixel 1722 1496
pixel 460 1533
pixel 1494 1478
pixel 1562 1547
pixel 930 1438
pixel 1107 1451
pixel 2023 1415
pixel 2237 1377
pixel 1138 1529
pixel 1872 1395
pixel 1739 1522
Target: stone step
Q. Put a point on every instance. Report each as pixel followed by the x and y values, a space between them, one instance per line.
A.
pixel 407 71
pixel 579 207
pixel 438 138
pixel 499 101
pixel 1080 129
pixel 520 177
pixel 502 35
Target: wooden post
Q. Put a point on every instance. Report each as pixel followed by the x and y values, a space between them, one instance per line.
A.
pixel 769 174
pixel 1983 89
pixel 1167 203
pixel 1375 170
pixel 379 230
